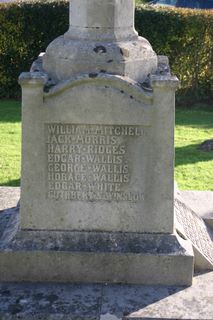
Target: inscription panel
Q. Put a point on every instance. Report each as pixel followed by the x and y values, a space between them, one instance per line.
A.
pixel 91 162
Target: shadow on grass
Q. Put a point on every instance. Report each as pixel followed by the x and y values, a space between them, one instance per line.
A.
pixel 191 154
pixel 195 118
pixel 10 111
pixel 11 183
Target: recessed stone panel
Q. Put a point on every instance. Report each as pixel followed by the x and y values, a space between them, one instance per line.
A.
pixel 92 162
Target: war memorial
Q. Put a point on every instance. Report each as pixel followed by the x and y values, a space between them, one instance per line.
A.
pixel 97 179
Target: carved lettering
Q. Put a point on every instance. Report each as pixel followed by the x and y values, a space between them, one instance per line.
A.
pixel 90 162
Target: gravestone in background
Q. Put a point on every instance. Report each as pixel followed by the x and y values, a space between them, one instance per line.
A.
pixel 97 159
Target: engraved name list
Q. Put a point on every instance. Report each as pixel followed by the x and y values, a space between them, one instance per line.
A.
pixel 90 162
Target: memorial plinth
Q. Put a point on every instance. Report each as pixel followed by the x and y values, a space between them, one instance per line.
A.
pixel 97 159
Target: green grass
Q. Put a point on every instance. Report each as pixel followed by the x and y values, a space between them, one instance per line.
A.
pixel 10 132
pixel 193 167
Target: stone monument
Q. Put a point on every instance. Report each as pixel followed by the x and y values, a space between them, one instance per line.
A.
pixel 97 194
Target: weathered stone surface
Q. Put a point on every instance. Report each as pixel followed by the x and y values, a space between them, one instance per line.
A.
pixel 29 301
pixel 158 303
pixel 102 19
pixel 111 170
pixel 97 202
pixel 101 38
pixel 93 172
pixel 200 202
pixel 51 301
pixel 67 58
pixel 93 257
pixel 192 227
pixel 9 197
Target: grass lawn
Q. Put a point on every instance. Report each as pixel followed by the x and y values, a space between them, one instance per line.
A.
pixel 10 146
pixel 193 169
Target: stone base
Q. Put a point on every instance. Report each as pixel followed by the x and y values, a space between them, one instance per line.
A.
pixel 93 257
pixel 66 58
pixel 44 301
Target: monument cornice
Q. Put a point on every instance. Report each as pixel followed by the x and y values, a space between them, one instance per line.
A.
pixel 125 84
